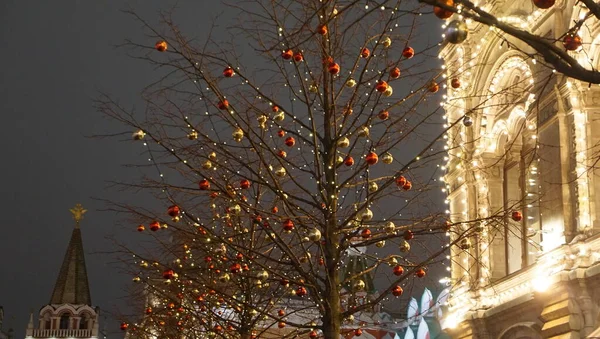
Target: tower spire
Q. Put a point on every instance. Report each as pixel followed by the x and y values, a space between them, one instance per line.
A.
pixel 72 285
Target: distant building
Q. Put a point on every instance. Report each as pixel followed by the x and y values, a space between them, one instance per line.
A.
pixel 4 334
pixel 69 313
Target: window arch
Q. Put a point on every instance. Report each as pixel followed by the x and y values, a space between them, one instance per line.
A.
pixel 64 321
pixel 84 321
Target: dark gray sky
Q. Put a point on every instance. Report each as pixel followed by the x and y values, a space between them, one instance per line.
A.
pixel 56 56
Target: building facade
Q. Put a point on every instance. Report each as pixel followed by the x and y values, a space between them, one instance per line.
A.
pixel 523 181
pixel 70 313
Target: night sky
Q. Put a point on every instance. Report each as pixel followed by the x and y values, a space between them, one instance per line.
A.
pixel 57 56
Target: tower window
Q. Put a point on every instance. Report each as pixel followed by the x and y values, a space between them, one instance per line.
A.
pixel 64 321
pixel 83 322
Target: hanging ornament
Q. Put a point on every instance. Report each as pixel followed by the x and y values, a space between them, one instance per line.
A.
pixel 148 310
pixel 400 181
pixel 298 57
pixel 245 184
pixel 193 135
pixel 224 278
pixel 280 172
pixel 365 53
pixel 395 73
pixel 387 158
pixel 154 226
pixel 173 211
pixel 363 131
pixel 455 83
pixel 212 156
pixel 228 72
pixel 322 29
pixel 407 186
pixel 224 104
pixel 383 114
pixel 381 86
pixel 141 228
pixel 168 274
pixel 235 268
pixel 358 332
pixel 398 270
pixel 334 68
pixel 367 215
pixel 288 225
pixel 572 42
pixel 359 285
pixel 281 313
pixel 339 160
pixel 280 133
pixel 343 142
pixel 467 121
pixel 465 244
pixel 408 235
pixel 279 116
pixel 262 275
pixel 366 233
pixel 301 291
pixel 161 46
pixel 138 135
pixel 314 235
pixel 443 13
pixel 349 161
pixel 282 154
pixel 204 184
pixel 238 134
pixel 433 87
pixel 313 334
pixel 207 164
pixel 124 326
pixel 262 121
pixel 380 244
pixel 373 187
pixel 544 4
pixel 456 32
pixel 290 141
pixel 281 324
pixel 408 52
pixel 350 83
pixel 313 88
pixel 397 291
pixel 404 246
pixel 388 92
pixel 387 42
pixel 420 273
pixel 287 55
pixel 517 216
pixel 390 227
pixel 371 158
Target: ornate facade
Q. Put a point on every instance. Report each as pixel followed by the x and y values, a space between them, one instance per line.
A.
pixel 523 182
pixel 69 313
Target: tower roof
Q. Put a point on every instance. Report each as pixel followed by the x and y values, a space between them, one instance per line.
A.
pixel 72 285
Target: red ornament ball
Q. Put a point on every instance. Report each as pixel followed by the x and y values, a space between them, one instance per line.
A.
pixel 282 154
pixel 395 73
pixel 173 211
pixel 366 233
pixel 301 291
pixel 357 332
pixel 443 13
pixel 288 225
pixel 245 184
pixel 408 52
pixel 420 273
pixel 298 57
pixel 371 158
pixel 124 326
pixel 322 29
pixel 517 216
pixel 313 334
pixel 204 184
pixel 398 270
pixel 280 133
pixel 433 87
pixel 408 235
pixel 401 181
pixel 168 274
pixel 407 186
pixel 572 42
pixel 397 291
pixel 154 226
pixel 349 161
pixel 290 141
pixel 544 4
pixel 224 104
pixel 381 86
pixel 161 46
pixel 281 313
pixel 141 228
pixel 365 53
pixel 281 324
pixel 334 68
pixel 455 83
pixel 288 54
pixel 235 268
pixel 228 72
pixel 383 115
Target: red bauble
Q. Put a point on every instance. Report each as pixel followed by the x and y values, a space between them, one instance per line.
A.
pixel 141 228
pixel 245 184
pixel 408 52
pixel 281 313
pixel 381 86
pixel 154 226
pixel 313 334
pixel 544 4
pixel 349 161
pixel 223 104
pixel 298 57
pixel 408 235
pixel 173 211
pixel 148 310
pixel 161 46
pixel 281 324
pixel 124 326
pixel 455 83
pixel 280 133
pixel 322 30
pixel 395 73
pixel 517 216
pixel 204 184
pixel 301 291
pixel 168 274
pixel 572 42
pixel 357 332
pixel 218 328
pixel 275 108
pixel 334 68
pixel 400 181
pixel 433 87
pixel 284 282
pixel 288 225
pixel 398 270
pixel 420 273
pixel 228 72
pixel 365 53
pixel 290 141
pixel 407 186
pixel 383 115
pixel 371 158
pixel 442 13
pixel 366 233
pixel 275 209
pixel 397 291
pixel 282 154
pixel 287 55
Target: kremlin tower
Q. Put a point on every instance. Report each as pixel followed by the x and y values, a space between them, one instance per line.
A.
pixel 69 313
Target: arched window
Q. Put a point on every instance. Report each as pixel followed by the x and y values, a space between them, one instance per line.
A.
pixel 46 322
pixel 83 322
pixel 64 321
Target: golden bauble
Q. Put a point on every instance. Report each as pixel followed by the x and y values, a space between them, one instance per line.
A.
pixel 373 187
pixel 351 83
pixel 343 142
pixel 387 42
pixel 387 158
pixel 404 246
pixel 363 131
pixel 314 235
